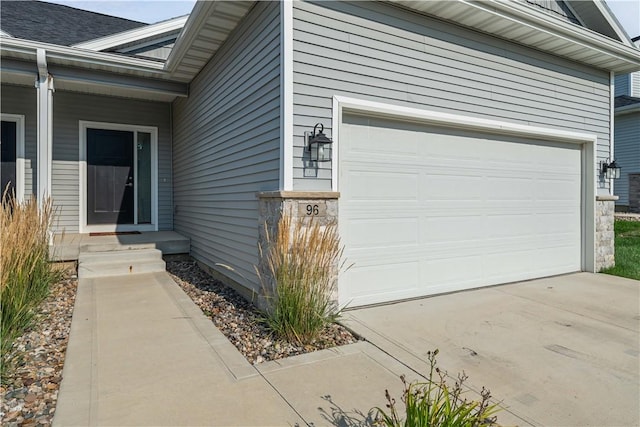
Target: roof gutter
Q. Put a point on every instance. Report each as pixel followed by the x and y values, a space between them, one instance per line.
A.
pixel 121 62
pixel 626 109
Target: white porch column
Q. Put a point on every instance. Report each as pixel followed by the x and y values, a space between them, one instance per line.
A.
pixel 44 84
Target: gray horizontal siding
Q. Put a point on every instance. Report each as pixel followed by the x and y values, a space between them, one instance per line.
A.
pixel 379 52
pixel 21 100
pixel 635 84
pixel 68 109
pixel 623 85
pixel 627 153
pixel 227 146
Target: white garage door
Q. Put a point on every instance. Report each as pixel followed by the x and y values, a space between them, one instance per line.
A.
pixel 426 210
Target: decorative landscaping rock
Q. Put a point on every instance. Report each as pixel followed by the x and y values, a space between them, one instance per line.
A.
pixel 30 393
pixel 240 321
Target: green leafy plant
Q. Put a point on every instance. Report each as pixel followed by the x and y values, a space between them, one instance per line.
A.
pixel 25 270
pixel 436 403
pixel 302 261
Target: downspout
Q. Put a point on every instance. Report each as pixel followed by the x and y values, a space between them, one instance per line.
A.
pixel 44 85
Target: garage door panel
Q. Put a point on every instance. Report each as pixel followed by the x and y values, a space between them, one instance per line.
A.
pixel 450 229
pixel 384 279
pixel 369 186
pixel 383 232
pixel 469 209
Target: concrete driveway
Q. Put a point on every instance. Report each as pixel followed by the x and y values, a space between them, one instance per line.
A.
pixel 556 351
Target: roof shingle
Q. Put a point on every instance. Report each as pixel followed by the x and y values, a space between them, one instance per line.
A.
pixel 58 24
pixel 624 100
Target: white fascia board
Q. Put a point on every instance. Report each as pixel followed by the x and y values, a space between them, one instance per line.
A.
pixel 108 60
pixel 131 36
pixel 5 34
pixel 525 15
pixel 286 95
pixel 190 30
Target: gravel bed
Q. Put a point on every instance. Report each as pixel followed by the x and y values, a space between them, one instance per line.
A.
pixel 240 321
pixel 30 393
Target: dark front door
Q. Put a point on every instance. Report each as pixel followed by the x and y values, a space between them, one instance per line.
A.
pixel 8 157
pixel 109 177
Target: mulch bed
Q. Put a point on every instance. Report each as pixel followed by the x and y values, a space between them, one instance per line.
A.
pixel 240 321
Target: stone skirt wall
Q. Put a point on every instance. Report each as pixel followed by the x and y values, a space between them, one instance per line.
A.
pixel 305 206
pixel 605 236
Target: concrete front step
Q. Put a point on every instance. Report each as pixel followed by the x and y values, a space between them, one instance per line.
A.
pixel 120 263
pixel 67 247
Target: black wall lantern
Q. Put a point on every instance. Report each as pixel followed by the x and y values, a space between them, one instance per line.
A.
pixel 318 144
pixel 610 170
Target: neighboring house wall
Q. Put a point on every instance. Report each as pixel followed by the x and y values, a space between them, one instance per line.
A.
pixel 635 85
pixel 22 101
pixel 623 85
pixel 68 109
pixel 627 153
pixel 227 146
pixel 376 51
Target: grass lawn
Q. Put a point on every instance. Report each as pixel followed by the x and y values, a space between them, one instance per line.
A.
pixel 627 250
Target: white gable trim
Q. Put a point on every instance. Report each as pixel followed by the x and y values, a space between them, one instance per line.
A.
pixel 138 34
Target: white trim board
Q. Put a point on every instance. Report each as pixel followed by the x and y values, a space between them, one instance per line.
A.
pixel 286 95
pixel 83 227
pixel 18 119
pixel 587 141
pixel 137 34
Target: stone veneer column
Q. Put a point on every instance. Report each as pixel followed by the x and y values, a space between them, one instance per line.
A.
pixel 322 206
pixel 634 192
pixel 605 236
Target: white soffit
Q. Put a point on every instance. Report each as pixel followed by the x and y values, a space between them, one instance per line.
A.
pixel 142 34
pixel 523 24
pixel 208 26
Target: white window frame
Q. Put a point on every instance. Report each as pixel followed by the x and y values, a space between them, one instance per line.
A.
pixel 153 131
pixel 20 153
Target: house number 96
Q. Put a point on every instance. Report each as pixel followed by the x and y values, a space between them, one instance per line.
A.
pixel 313 210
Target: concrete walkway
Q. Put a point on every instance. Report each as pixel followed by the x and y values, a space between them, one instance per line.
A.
pixel 141 353
pixel 558 351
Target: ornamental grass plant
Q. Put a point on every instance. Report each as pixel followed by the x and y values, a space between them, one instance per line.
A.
pixel 25 270
pixel 435 403
pixel 299 279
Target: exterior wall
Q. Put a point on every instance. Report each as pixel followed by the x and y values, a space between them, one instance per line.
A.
pixel 379 52
pixel 635 84
pixel 22 101
pixel 68 109
pixel 227 146
pixel 605 249
pixel 626 153
pixel 623 85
